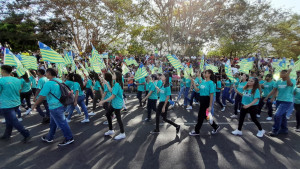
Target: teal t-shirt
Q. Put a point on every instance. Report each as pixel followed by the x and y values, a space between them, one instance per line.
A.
pixel 108 93
pixel 285 93
pixel 170 81
pixel 197 82
pixel 219 85
pixel 117 102
pixel 76 87
pixel 97 85
pixel 9 92
pixel 52 87
pixel 159 84
pixel 41 82
pixel 228 83
pixel 261 82
pixel 154 91
pixel 141 87
pixel 163 93
pixel 240 87
pixel 187 82
pixel 297 95
pixel 69 84
pixel 268 87
pixel 26 86
pixel 89 84
pixel 237 81
pixel 147 86
pixel 182 82
pixel 33 82
pixel 206 88
pixel 248 97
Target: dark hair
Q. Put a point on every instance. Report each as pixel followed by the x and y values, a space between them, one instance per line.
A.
pixel 71 76
pixel 77 78
pixel 269 75
pixel 255 86
pixel 108 77
pixel 52 72
pixel 25 77
pixel 14 74
pixel 8 69
pixel 33 73
pixel 119 78
pixel 247 77
pixel 41 71
pixel 167 80
pixel 154 77
pixel 91 76
pixel 96 77
pixel 212 75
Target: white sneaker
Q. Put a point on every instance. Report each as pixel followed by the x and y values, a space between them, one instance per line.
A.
pixel 197 103
pixel 269 118
pixel 120 136
pixel 92 114
pixel 28 111
pixel 288 117
pixel 110 132
pixel 234 116
pixel 258 116
pixel 20 119
pixel 85 121
pixel 171 107
pixel 223 109
pixel 68 121
pixel 297 130
pixel 237 132
pixel 260 133
pixel 3 121
pixel 189 108
pixel 106 122
pixel 238 111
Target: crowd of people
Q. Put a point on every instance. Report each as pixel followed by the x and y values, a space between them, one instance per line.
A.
pixel 248 93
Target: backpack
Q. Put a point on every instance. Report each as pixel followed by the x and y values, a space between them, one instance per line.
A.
pixel 67 96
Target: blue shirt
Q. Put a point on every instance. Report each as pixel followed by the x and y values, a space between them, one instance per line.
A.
pixel 248 97
pixel 268 87
pixel 219 85
pixel 69 84
pixel 89 84
pixel 9 92
pixel 159 84
pixel 76 87
pixel 228 83
pixel 52 87
pixel 33 82
pixel 187 82
pixel 182 82
pixel 154 91
pixel 108 93
pixel 141 87
pixel 117 102
pixel 97 86
pixel 41 82
pixel 297 95
pixel 206 88
pixel 163 93
pixel 285 93
pixel 240 87
pixel 26 86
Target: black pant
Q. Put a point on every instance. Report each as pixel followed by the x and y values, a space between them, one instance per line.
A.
pixel 164 115
pixel 118 116
pixel 269 105
pixel 253 111
pixel 139 96
pixel 204 104
pixel 151 105
pixel 194 95
pixel 88 93
pixel 26 96
pixel 297 108
pixel 96 98
pixel 218 99
pixel 238 103
pixel 33 91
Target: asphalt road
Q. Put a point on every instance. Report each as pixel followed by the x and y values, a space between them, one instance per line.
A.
pixel 143 150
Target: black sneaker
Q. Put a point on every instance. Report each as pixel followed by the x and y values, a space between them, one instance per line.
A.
pixel 272 134
pixel 5 137
pixel 177 129
pixel 46 140
pixel 215 130
pixel 46 120
pixel 154 131
pixel 26 139
pixel 66 142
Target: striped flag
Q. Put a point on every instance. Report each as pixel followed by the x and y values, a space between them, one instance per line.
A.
pixel 175 62
pixel 68 57
pixel 50 55
pixel 202 63
pixel 29 62
pixel 228 71
pixel 160 70
pixel 12 60
pixel 97 62
pixel 125 69
pixel 141 72
pixel 212 67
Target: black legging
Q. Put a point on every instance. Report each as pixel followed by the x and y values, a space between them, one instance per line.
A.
pixel 26 96
pixel 252 111
pixel 151 105
pixel 237 103
pixel 97 97
pixel 297 108
pixel 164 115
pixel 118 116
pixel 218 99
pixel 204 104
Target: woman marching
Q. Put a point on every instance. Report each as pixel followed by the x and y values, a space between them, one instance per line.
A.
pixel 151 96
pixel 226 92
pixel 26 92
pixel 238 98
pixel 250 100
pixel 162 109
pixel 97 93
pixel 267 87
pixel 206 90
pixel 116 105
pixel 107 82
pixel 88 89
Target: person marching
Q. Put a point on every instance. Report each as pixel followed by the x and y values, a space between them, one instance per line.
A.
pixel 97 93
pixel 206 90
pixel 26 92
pixel 116 105
pixel 226 92
pixel 238 98
pixel 162 109
pixel 141 88
pixel 267 87
pixel 9 102
pixel 88 89
pixel 107 82
pixel 195 94
pixel 218 91
pixel 297 105
pixel 250 100
pixel 151 96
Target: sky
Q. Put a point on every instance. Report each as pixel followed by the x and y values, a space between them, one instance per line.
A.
pixel 294 5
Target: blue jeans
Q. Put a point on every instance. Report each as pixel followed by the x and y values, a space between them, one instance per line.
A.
pixel 57 118
pixel 232 94
pixel 182 89
pixel 89 93
pixel 226 96
pixel 41 112
pixel 280 121
pixel 290 110
pixel 212 107
pixel 80 102
pixel 12 121
pixel 186 94
pixel 133 86
pixel 18 111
